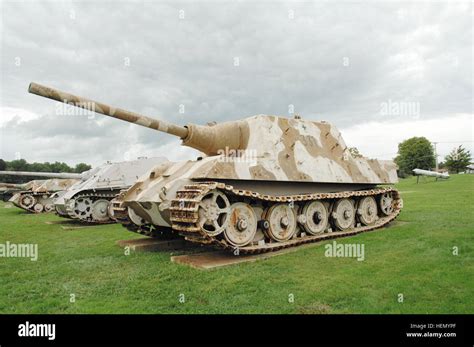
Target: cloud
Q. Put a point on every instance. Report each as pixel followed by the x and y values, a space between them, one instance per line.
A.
pixel 338 62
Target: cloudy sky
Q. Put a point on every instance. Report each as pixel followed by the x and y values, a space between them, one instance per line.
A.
pixel 381 72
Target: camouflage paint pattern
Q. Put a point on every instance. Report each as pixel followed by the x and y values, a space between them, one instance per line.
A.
pixel 108 177
pixel 257 149
pixel 281 149
pixel 46 187
pixel 274 149
pixel 8 190
pixel 284 149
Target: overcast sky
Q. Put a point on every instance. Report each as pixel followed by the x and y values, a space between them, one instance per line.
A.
pixel 380 72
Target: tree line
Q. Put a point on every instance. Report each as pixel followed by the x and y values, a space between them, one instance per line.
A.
pixel 23 165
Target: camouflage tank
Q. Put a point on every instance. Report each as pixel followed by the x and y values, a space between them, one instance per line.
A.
pixel 7 190
pixel 89 199
pixel 36 196
pixel 263 183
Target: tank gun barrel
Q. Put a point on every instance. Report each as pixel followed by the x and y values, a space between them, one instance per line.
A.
pixel 211 140
pixel 42 174
pixel 107 110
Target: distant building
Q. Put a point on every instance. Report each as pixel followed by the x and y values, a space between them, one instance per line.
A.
pixel 470 169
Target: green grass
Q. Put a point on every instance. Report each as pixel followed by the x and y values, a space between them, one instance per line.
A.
pixel 413 257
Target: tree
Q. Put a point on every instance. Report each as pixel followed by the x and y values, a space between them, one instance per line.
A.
pixel 355 152
pixel 415 153
pixel 3 165
pixel 39 167
pixel 18 165
pixel 60 167
pixel 458 159
pixel 81 167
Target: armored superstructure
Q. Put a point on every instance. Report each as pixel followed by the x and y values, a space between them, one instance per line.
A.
pixel 89 199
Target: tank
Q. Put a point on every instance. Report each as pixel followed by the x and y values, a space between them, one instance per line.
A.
pixel 89 199
pixel 263 183
pixel 36 196
pixel 7 190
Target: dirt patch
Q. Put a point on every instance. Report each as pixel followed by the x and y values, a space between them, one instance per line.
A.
pixel 153 245
pixel 217 258
pixel 314 308
pixel 72 224
pixel 73 227
pixel 398 223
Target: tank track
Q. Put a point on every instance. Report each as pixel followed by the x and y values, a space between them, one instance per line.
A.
pixel 96 195
pixel 184 215
pixel 120 215
pixel 35 196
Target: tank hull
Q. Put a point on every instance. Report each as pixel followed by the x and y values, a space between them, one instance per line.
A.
pixel 369 207
pixel 39 198
pixel 303 162
pixel 153 207
pixel 89 199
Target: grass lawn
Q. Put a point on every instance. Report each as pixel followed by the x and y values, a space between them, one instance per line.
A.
pixel 413 257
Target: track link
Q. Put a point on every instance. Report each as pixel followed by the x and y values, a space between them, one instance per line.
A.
pixel 37 196
pixel 184 215
pixel 120 215
pixel 109 195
